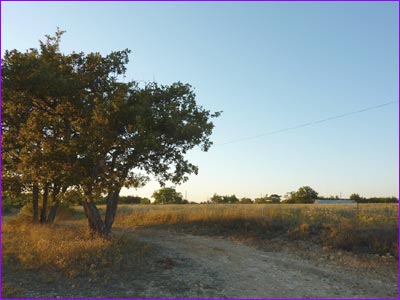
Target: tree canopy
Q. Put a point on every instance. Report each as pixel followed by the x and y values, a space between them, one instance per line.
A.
pixel 69 122
pixel 167 195
pixel 304 194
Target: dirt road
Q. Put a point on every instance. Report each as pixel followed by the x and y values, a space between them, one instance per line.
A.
pixel 198 266
pixel 187 266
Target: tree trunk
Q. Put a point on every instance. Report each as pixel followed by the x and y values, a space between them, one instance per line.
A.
pixel 43 214
pixel 96 224
pixel 52 213
pixel 35 202
pixel 111 209
pixel 56 203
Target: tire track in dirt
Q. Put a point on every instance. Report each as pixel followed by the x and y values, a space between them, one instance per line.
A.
pixel 200 266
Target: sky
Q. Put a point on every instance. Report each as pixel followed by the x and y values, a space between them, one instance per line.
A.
pixel 268 66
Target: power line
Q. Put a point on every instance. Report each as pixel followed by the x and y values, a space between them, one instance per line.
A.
pixel 306 124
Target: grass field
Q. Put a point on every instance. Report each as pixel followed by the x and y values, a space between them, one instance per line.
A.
pixel 64 250
pixel 367 228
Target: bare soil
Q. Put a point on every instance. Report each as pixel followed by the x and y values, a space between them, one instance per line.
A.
pixel 184 265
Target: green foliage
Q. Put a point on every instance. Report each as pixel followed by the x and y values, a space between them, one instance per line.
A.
pixel 355 197
pixel 167 195
pixel 129 199
pixel 261 200
pixel 274 198
pixel 133 200
pixel 72 196
pixel 304 194
pixel 360 199
pixel 224 199
pixel 64 211
pixel 145 201
pixel 69 122
pixel 246 201
pixel 38 86
pixel 379 200
pixel 14 200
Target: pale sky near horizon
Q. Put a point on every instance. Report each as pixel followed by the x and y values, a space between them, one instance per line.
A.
pixel 267 66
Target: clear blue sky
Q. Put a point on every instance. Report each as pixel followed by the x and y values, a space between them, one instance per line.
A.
pixel 268 66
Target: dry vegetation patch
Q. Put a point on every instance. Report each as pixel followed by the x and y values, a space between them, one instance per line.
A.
pixel 63 260
pixel 364 228
pixel 67 249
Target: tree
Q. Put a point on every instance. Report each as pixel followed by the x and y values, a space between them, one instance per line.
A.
pixel 130 199
pixel 378 200
pixel 231 199
pixel 145 201
pixel 167 195
pixel 261 200
pixel 246 201
pixel 217 199
pixel 304 194
pixel 355 197
pixel 224 199
pixel 71 124
pixel 274 198
pixel 39 86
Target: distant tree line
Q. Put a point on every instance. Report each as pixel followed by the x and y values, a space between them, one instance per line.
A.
pixel 169 195
pixel 304 195
pixel 231 199
pixel 360 199
pixel 126 200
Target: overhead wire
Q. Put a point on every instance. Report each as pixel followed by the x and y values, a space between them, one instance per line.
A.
pixel 306 124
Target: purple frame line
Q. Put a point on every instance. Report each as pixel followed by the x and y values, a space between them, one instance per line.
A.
pixel 1 185
pixel 398 140
pixel 203 298
pixel 199 0
pixel 1 163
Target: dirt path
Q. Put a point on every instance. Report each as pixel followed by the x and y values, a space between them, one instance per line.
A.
pixel 198 266
pixel 187 266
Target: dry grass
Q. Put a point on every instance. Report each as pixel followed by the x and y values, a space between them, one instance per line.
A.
pixel 67 249
pixel 369 228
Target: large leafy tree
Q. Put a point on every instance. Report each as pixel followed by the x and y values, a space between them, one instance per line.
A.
pixel 69 122
pixel 38 87
pixel 167 195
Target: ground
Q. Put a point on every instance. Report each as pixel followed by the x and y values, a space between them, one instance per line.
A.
pixel 184 265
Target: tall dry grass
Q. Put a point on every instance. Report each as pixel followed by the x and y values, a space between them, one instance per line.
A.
pixel 67 249
pixel 370 228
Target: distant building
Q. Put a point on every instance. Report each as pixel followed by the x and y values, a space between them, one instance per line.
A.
pixel 335 201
